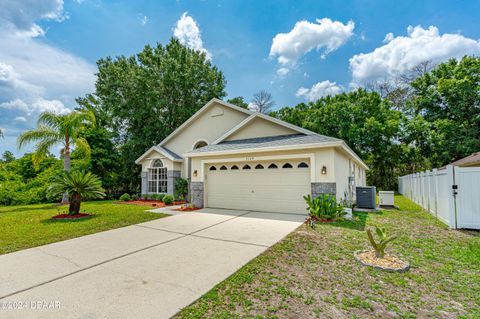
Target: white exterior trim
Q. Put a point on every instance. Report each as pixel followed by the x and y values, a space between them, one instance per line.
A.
pixel 198 113
pixel 160 151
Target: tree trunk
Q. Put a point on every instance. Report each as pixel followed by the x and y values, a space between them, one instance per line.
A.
pixel 75 204
pixel 66 164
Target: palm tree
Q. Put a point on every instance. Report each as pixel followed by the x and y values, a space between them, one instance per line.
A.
pixel 79 186
pixel 53 129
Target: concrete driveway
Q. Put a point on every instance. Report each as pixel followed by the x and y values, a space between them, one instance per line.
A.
pixel 148 270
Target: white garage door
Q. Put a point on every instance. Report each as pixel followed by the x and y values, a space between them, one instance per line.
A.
pixel 261 186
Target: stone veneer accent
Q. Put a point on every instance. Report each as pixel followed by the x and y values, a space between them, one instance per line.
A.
pixel 171 178
pixel 196 193
pixel 144 176
pixel 323 188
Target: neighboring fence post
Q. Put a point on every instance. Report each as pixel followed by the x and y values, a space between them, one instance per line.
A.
pixel 452 214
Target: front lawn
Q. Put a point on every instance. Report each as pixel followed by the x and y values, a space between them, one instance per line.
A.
pixel 313 274
pixel 29 226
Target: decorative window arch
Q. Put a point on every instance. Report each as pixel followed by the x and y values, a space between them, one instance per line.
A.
pixel 157 177
pixel 287 165
pixel 273 165
pixel 199 143
pixel 302 165
pixel 157 163
pixel 212 168
pixel 259 166
pixel 246 166
pixel 234 167
pixel 223 168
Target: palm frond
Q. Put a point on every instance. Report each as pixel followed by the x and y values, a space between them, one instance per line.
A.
pixel 41 150
pixel 41 133
pixel 82 148
pixel 51 119
pixel 87 185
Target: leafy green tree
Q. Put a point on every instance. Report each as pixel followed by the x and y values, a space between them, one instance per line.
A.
pixel 8 157
pixel 79 186
pixel 238 101
pixel 365 121
pixel 448 100
pixel 142 98
pixel 53 129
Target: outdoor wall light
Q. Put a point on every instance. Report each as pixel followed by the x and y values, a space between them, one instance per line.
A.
pixel 195 173
pixel 324 170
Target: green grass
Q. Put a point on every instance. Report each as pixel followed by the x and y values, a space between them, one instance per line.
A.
pixel 313 274
pixel 31 225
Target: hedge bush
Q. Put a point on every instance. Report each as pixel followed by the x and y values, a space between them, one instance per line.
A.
pixel 125 197
pixel 168 199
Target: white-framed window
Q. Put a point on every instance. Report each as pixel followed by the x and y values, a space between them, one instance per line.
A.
pixel 157 177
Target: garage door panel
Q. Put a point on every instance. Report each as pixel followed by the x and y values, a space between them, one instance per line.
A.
pixel 276 190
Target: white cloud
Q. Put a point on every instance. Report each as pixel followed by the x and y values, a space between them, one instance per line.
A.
pixel 21 16
pixel 143 19
pixel 283 72
pixel 388 37
pixel 188 33
pixel 319 90
pixel 35 76
pixel 402 53
pixel 325 35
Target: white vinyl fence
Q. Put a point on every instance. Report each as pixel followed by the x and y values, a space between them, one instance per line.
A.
pixel 451 194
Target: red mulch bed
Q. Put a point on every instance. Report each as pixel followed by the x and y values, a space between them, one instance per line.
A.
pixel 71 217
pixel 153 203
pixel 187 209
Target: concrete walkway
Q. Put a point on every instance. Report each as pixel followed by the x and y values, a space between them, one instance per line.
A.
pixel 148 270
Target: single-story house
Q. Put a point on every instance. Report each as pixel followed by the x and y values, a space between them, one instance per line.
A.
pixel 239 159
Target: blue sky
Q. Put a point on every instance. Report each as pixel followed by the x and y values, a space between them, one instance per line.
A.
pixel 48 48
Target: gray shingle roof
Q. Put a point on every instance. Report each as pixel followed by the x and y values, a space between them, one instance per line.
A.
pixel 174 155
pixel 281 140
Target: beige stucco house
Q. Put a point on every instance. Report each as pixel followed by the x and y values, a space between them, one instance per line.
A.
pixel 238 159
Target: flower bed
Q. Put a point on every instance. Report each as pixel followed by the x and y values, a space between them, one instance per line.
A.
pixel 71 217
pixel 153 203
pixel 186 209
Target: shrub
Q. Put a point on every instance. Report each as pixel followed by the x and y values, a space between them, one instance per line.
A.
pixel 382 244
pixel 125 197
pixel 160 197
pixel 134 197
pixel 144 196
pixel 154 196
pixel 168 199
pixel 323 207
pixel 181 187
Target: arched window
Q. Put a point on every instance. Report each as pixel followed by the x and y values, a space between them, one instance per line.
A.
pixel 200 144
pixel 157 163
pixel 223 168
pixel 234 167
pixel 157 177
pixel 246 166
pixel 273 165
pixel 287 165
pixel 212 168
pixel 302 165
pixel 259 166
